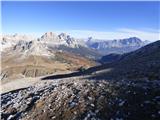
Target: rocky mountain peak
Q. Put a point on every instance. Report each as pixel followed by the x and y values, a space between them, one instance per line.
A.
pixel 131 40
pixel 49 35
pixel 63 36
pixel 32 48
pixel 68 39
pixel 8 41
pixel 61 39
pixel 90 39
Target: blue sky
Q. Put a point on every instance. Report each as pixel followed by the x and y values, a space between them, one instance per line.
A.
pixel 103 20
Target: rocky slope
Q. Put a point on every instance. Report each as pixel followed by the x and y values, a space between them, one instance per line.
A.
pixel 78 98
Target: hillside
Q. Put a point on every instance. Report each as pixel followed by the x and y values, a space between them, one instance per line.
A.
pixel 109 58
pixel 17 66
pixel 143 63
pixel 78 98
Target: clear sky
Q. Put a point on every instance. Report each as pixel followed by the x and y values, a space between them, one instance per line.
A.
pixel 103 20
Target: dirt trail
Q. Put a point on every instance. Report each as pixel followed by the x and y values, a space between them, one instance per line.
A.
pixel 18 84
pixel 11 85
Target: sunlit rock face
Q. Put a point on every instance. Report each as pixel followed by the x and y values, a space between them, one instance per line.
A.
pixel 11 40
pixel 61 39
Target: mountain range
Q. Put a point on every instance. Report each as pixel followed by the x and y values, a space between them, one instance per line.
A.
pixel 118 46
pixel 127 87
pixel 28 56
pixel 61 41
pixel 25 56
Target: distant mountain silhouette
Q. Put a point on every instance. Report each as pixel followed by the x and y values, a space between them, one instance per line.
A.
pixel 118 46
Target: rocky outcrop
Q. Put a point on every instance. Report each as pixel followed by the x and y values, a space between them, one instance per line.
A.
pixel 35 47
pixel 61 39
pixel 8 41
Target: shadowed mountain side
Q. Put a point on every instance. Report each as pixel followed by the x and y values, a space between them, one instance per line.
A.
pixel 89 71
pixel 143 63
pixel 110 58
pixel 59 76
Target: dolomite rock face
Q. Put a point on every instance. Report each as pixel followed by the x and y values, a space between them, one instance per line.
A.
pixel 8 41
pixel 61 39
pixel 32 48
pixel 48 38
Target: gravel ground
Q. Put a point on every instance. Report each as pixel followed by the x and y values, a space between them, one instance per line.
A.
pixel 81 99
